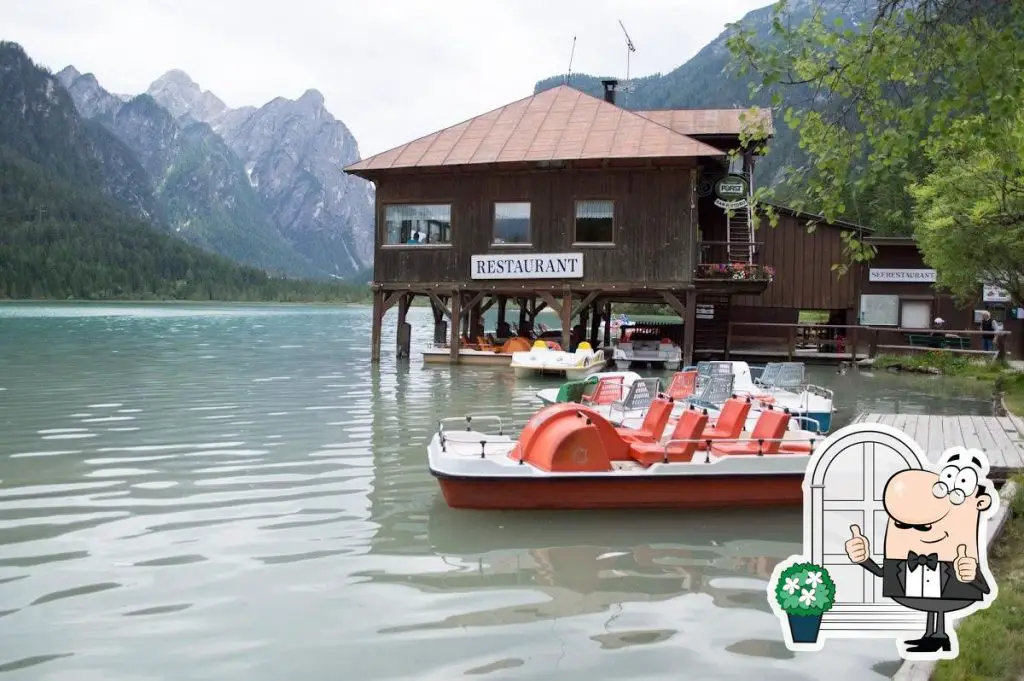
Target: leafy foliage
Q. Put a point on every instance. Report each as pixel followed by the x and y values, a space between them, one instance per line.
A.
pixel 62 241
pixel 969 214
pixel 805 589
pixel 712 79
pixel 884 92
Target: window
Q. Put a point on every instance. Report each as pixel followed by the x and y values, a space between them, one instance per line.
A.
pixel 595 222
pixel 418 224
pixel 916 314
pixel 512 223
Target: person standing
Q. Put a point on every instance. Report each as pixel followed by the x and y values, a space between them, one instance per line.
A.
pixel 988 327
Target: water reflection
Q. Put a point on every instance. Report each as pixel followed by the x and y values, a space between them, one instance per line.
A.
pixel 588 562
pixel 237 492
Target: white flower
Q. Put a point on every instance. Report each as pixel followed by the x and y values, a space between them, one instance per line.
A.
pixel 792 584
pixel 813 579
pixel 806 597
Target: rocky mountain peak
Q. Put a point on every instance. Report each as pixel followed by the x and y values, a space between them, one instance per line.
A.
pixel 312 97
pixel 67 75
pixel 179 94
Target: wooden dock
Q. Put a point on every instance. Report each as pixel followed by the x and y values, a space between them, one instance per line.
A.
pixel 1000 437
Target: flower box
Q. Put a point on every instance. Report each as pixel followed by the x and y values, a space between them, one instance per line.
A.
pixel 735 271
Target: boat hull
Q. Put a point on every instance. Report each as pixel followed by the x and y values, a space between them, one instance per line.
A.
pixel 570 373
pixel 616 492
pixel 469 357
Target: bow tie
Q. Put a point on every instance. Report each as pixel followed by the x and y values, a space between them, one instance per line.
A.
pixel 931 560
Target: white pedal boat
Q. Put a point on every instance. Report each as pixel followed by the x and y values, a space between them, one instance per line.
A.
pixel 540 359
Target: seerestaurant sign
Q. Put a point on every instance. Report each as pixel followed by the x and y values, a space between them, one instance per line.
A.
pixel 905 276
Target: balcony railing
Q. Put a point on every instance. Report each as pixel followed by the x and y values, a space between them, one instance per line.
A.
pixel 714 262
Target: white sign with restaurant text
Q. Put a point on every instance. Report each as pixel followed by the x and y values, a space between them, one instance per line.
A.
pixel 527 266
pixel 901 276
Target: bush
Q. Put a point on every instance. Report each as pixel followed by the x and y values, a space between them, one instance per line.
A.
pixel 805 589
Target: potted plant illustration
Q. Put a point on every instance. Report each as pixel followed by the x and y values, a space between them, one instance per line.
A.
pixel 805 592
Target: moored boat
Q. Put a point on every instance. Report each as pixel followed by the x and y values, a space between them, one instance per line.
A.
pixel 569 456
pixel 780 385
pixel 657 353
pixel 482 353
pixel 543 359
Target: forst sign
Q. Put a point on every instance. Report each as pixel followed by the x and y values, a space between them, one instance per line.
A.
pixel 731 192
pixel 527 266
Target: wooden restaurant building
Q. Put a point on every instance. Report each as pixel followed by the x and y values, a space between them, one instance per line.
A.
pixel 566 201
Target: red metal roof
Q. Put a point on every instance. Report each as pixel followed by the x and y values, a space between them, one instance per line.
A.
pixel 560 124
pixel 710 121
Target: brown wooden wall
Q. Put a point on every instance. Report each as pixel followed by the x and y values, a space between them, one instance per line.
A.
pixel 956 316
pixel 804 279
pixel 654 238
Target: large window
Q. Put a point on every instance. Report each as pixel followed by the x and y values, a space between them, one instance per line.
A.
pixel 595 222
pixel 916 314
pixel 415 224
pixel 512 223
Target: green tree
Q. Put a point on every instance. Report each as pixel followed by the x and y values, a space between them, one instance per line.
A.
pixel 884 93
pixel 969 213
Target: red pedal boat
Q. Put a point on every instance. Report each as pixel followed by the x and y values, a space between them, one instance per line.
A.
pixel 569 456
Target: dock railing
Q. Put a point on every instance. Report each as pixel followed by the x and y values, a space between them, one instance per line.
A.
pixel 854 341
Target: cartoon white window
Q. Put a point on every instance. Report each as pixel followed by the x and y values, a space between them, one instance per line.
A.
pixel 847 487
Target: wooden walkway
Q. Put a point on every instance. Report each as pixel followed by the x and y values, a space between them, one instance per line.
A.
pixel 1001 438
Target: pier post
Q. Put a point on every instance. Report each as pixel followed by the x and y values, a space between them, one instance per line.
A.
pixel 566 321
pixel 689 322
pixel 500 326
pixel 595 323
pixel 456 326
pixel 404 335
pixel 378 319
pixel 607 324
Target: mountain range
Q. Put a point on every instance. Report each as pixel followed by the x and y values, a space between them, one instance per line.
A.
pixel 81 216
pixel 710 80
pixel 262 186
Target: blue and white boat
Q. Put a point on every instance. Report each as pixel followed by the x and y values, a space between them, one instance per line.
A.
pixel 781 385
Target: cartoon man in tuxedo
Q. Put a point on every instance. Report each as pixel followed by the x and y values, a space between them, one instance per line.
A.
pixel 932 542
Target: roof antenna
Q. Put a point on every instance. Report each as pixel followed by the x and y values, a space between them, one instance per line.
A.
pixel 627 86
pixel 572 54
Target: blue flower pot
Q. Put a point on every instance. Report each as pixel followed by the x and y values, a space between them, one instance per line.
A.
pixel 804 628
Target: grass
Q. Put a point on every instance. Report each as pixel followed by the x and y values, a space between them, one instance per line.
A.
pixel 1003 378
pixel 992 640
pixel 947 363
pixel 813 317
pixel 1012 385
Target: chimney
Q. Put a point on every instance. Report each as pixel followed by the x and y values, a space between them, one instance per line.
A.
pixel 609 90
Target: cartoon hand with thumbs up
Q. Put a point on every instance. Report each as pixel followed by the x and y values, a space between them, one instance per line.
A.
pixel 966 567
pixel 857 547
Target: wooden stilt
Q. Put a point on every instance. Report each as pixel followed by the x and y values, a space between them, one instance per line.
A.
pixel 607 324
pixel 456 324
pixel 476 325
pixel 524 317
pixel 567 321
pixel 378 320
pixel 501 331
pixel 595 323
pixel 690 322
pixel 404 335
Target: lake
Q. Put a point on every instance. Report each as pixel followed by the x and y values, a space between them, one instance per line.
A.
pixel 235 492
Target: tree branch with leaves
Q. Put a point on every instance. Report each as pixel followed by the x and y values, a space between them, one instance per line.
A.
pixel 969 213
pixel 870 99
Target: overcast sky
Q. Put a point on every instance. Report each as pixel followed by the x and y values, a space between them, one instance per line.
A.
pixel 392 70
